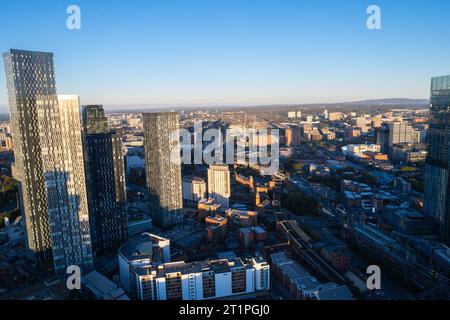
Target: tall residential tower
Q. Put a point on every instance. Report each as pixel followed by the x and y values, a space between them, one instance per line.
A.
pixel 219 187
pixel 49 161
pixel 105 174
pixel 163 167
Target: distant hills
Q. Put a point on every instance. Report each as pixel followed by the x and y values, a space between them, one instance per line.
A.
pixel 388 102
pixel 382 103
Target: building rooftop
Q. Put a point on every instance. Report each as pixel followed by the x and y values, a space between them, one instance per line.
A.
pixel 142 248
pixel 216 266
pixel 334 293
pixel 102 288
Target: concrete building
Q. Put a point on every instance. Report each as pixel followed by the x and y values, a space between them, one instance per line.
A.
pixel 216 228
pixel 363 124
pixel 163 165
pixel 400 132
pixel 200 280
pixel 146 250
pixel 301 284
pixel 293 136
pixel 207 207
pixel 242 218
pixel 98 287
pixel 409 153
pixel 194 189
pixel 334 116
pixel 219 187
pixel 292 114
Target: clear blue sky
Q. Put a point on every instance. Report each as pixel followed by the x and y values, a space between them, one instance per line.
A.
pixel 239 52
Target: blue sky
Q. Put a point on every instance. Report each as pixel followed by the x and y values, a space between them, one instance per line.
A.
pixel 233 52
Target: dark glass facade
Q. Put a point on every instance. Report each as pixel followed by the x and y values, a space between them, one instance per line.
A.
pixel 163 169
pixel 105 175
pixel 437 186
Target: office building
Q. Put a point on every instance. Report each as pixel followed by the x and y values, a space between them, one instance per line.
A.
pixel 194 189
pixel 163 167
pixel 105 176
pixel 437 178
pixel 49 162
pixel 400 132
pixel 219 187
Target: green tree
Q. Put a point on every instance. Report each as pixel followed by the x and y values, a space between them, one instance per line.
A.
pixel 298 203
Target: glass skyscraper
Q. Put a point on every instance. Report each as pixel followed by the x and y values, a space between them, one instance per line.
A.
pixel 105 174
pixel 437 184
pixel 163 167
pixel 49 159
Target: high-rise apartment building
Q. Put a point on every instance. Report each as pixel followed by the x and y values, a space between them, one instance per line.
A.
pixel 94 119
pixel 400 132
pixel 219 187
pixel 293 136
pixel 383 137
pixel 194 190
pixel 49 162
pixel 163 167
pixel 105 175
pixel 437 175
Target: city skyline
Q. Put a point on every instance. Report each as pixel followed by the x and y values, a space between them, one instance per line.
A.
pixel 169 58
pixel 73 191
pixel 240 150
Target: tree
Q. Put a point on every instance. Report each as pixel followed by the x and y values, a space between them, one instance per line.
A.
pixel 369 179
pixel 301 204
pixel 8 190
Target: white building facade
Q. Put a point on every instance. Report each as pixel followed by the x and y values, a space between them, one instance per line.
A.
pixel 200 280
pixel 219 187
